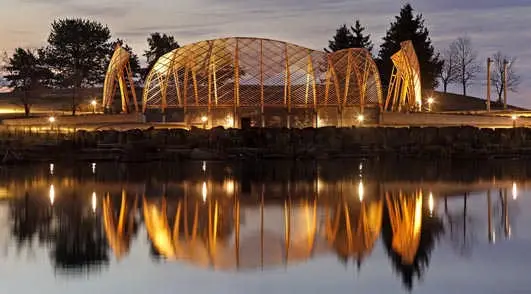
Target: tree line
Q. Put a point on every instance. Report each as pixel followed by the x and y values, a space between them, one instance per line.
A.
pixel 78 51
pixel 458 64
pixel 76 56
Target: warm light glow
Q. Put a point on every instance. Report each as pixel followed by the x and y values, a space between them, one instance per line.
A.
pixel 320 185
pixel 430 100
pixel 204 191
pixel 51 119
pixel 514 117
pixel 361 118
pixel 229 121
pixel 361 191
pixel 204 119
pixel 52 194
pixel 229 186
pixel 431 203
pixel 515 191
pixel 94 168
pixel 203 166
pixel 94 201
pixel 51 169
pixel 93 102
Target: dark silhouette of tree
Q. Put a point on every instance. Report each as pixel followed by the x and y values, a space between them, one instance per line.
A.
pixel 79 243
pixel 497 78
pixel 449 74
pixel 78 52
pixel 408 26
pixel 467 65
pixel 158 45
pixel 30 218
pixel 342 39
pixel 431 230
pixel 359 39
pixel 26 73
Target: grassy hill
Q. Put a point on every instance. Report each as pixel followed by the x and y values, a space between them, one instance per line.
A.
pixel 456 102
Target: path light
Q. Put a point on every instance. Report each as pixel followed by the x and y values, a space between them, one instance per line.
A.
pixel 51 119
pixel 204 119
pixel 361 118
pixel 514 118
pixel 93 103
pixel 430 102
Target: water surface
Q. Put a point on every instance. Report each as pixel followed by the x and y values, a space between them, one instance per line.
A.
pixel 276 227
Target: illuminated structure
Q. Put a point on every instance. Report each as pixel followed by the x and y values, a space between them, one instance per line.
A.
pixel 405 213
pixel 264 82
pixel 119 230
pixel 119 71
pixel 405 88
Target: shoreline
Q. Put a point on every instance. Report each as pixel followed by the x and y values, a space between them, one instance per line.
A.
pixel 327 143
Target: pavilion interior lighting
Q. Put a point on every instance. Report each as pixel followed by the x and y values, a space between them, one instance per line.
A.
pixel 260 75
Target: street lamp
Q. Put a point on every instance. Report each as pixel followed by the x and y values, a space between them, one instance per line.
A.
pixel 514 118
pixel 51 119
pixel 93 103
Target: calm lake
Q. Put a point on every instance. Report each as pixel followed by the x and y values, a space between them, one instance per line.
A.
pixel 266 227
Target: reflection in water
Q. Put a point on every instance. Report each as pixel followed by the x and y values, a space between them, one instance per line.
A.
pixel 230 223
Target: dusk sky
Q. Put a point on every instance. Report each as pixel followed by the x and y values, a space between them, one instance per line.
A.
pixel 492 25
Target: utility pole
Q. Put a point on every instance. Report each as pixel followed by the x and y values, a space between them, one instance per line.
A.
pixel 505 63
pixel 489 61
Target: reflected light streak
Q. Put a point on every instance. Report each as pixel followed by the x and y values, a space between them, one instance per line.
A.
pixel 431 203
pixel 52 194
pixel 515 191
pixel 204 191
pixel 94 168
pixel 203 166
pixel 361 190
pixel 51 169
pixel 229 187
pixel 94 202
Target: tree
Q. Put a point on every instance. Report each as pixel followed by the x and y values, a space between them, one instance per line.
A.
pixel 78 52
pixel 158 46
pixel 342 39
pixel 467 65
pixel 448 73
pixel 26 73
pixel 497 78
pixel 410 27
pixel 359 40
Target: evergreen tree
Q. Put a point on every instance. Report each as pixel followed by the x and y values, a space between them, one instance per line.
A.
pixel 342 39
pixel 410 27
pixel 158 45
pixel 359 40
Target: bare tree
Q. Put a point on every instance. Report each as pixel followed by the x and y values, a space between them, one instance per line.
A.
pixel 513 80
pixel 467 65
pixel 449 73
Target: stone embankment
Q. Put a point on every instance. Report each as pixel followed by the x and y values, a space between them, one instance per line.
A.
pixel 310 143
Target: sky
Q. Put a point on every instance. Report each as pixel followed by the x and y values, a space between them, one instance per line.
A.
pixel 492 25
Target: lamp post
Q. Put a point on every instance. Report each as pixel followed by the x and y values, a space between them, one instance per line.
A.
pixel 505 64
pixel 514 117
pixel 489 61
pixel 93 103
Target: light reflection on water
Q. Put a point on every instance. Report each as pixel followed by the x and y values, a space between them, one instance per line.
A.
pixel 347 225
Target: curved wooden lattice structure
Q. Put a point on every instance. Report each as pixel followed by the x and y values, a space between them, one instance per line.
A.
pixel 405 88
pixel 405 213
pixel 119 71
pixel 223 79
